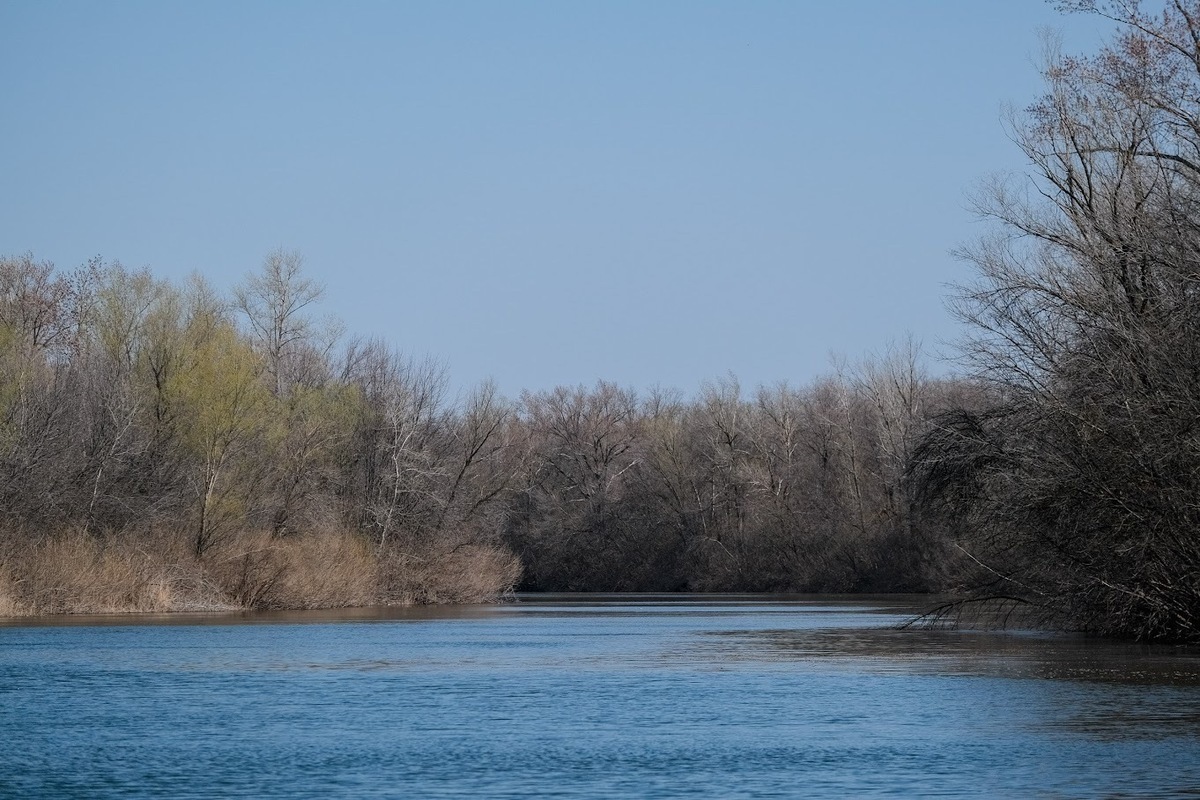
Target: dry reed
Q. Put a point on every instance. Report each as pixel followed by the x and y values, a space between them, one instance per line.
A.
pixel 326 570
pixel 464 574
pixel 75 572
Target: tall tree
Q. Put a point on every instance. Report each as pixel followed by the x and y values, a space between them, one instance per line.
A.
pixel 224 408
pixel 275 303
pixel 1078 487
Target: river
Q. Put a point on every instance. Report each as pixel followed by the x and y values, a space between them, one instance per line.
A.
pixel 591 696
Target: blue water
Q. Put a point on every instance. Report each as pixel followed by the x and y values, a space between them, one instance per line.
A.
pixel 596 698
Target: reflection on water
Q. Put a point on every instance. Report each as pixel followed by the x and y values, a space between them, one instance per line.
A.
pixel 602 696
pixel 1019 654
pixel 1133 701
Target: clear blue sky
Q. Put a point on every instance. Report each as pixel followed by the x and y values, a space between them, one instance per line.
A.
pixel 540 192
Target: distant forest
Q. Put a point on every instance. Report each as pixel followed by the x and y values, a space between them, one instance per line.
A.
pixel 170 446
pixel 220 427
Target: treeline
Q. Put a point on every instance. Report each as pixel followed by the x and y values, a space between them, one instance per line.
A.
pixel 778 490
pixel 237 438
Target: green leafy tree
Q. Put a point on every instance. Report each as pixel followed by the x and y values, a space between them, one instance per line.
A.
pixel 223 410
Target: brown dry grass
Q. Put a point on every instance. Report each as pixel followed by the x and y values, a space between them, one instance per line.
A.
pixel 9 605
pixel 465 574
pixel 327 570
pixel 74 572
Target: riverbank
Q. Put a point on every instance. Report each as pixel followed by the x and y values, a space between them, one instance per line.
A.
pixel 80 573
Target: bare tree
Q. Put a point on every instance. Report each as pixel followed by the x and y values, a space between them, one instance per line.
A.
pixel 1076 488
pixel 584 444
pixel 274 302
pixel 477 444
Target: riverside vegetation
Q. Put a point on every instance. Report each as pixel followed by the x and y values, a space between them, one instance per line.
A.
pixel 166 447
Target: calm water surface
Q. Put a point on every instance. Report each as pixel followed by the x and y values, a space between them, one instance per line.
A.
pixel 593 697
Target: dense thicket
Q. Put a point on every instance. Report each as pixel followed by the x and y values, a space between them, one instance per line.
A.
pixel 215 433
pixel 1078 486
pixel 783 490
pixel 223 428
